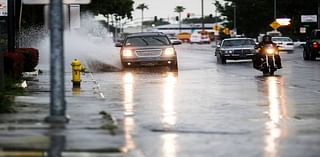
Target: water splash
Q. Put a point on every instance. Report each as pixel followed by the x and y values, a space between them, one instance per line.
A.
pixel 92 44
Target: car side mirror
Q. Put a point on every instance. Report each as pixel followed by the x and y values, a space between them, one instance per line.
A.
pixel 119 44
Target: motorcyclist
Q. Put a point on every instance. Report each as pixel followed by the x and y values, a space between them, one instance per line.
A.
pixel 267 39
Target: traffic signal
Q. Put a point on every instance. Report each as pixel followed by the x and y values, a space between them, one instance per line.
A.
pixel 210 16
pixel 188 15
pixel 177 18
pixel 155 18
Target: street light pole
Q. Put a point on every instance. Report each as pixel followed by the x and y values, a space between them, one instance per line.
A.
pixel 318 14
pixel 202 15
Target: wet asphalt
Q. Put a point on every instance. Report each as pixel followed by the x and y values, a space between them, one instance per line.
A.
pixel 209 109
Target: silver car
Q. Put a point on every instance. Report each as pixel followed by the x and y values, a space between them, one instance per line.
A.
pixel 148 49
pixel 235 49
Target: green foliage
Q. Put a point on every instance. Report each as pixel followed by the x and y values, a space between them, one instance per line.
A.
pixel 254 16
pixel 179 9
pixel 7 95
pixel 122 8
pixel 207 19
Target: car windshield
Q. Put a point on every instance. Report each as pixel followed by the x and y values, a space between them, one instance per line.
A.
pixel 147 41
pixel 282 39
pixel 238 42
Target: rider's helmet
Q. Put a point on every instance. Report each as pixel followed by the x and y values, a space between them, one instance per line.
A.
pixel 266 38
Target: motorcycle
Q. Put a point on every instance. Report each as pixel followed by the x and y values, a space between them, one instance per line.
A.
pixel 266 56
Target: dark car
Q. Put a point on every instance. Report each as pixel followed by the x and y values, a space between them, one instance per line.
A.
pixel 235 49
pixel 148 49
pixel 311 49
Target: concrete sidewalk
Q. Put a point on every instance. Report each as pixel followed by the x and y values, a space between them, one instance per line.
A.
pixel 90 132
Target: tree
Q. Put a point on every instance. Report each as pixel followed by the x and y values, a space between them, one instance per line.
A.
pixel 122 8
pixel 260 13
pixel 179 10
pixel 142 6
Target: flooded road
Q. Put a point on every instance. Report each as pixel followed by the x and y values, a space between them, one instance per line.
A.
pixel 209 109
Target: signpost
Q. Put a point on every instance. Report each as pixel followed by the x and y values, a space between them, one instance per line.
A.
pixel 3 38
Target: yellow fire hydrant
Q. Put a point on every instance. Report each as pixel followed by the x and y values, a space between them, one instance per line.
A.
pixel 77 68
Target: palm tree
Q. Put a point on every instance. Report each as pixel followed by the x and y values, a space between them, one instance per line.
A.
pixel 179 10
pixel 142 6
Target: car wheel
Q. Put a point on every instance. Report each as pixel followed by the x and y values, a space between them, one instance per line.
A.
pixel 221 59
pixel 174 67
pixel 312 56
pixel 305 55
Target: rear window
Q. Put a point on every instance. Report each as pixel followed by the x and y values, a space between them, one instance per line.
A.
pixel 282 39
pixel 147 41
pixel 238 42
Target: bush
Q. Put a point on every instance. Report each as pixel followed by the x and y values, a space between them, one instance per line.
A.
pixel 31 58
pixel 13 64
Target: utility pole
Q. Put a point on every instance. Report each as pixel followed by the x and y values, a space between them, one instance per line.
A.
pixel 202 15
pixel 4 47
pixel 57 95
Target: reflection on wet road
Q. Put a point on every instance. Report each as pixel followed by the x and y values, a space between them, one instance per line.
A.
pixel 208 109
pixel 276 125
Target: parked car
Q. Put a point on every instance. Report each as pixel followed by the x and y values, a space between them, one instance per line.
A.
pixel 148 49
pixel 235 49
pixel 284 43
pixel 311 49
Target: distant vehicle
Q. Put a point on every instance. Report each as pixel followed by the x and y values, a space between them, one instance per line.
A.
pixel 148 49
pixel 312 50
pixel 175 40
pixel 274 33
pixel 284 44
pixel 205 39
pixel 235 49
pixel 199 39
pixel 184 36
pixel 195 38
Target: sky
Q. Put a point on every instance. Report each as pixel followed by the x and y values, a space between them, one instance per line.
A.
pixel 165 8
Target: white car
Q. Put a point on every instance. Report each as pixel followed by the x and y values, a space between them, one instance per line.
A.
pixel 195 38
pixel 199 39
pixel 284 43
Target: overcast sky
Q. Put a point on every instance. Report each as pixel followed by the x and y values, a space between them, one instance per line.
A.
pixel 165 8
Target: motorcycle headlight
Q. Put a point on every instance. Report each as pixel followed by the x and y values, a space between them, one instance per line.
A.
pixel 169 52
pixel 127 53
pixel 270 51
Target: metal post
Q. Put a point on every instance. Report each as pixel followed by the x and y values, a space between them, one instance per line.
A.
pixel 142 20
pixel 1 72
pixel 179 22
pixel 318 14
pixel 11 26
pixel 275 10
pixel 57 95
pixel 57 145
pixel 202 15
pixel 235 17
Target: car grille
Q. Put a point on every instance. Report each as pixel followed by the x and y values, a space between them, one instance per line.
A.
pixel 149 53
pixel 242 51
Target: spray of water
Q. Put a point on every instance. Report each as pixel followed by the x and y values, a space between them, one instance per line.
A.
pixel 91 44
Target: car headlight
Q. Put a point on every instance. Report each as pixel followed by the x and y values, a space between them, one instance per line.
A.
pixel 227 51
pixel 169 52
pixel 127 53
